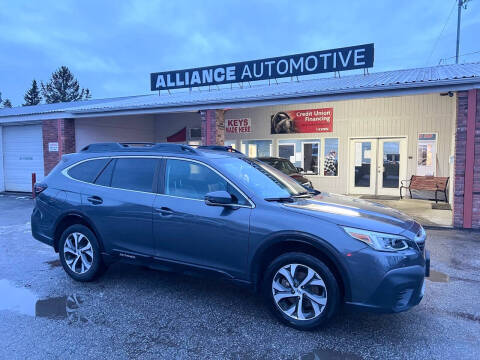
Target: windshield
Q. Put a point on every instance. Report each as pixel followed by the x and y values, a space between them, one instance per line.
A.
pixel 283 165
pixel 264 180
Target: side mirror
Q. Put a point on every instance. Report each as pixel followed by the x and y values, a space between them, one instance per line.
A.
pixel 300 170
pixel 218 198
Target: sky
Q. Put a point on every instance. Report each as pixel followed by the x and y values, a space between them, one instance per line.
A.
pixel 113 46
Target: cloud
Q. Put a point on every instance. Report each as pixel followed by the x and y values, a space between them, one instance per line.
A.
pixel 112 46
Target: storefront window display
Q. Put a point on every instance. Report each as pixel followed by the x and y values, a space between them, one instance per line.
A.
pixel 330 160
pixel 307 154
pixel 257 148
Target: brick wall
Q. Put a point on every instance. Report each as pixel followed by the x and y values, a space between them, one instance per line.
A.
pixel 61 131
pixel 460 204
pixel 476 167
pixel 213 127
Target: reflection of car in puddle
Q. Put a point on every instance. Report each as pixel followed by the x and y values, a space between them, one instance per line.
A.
pixel 24 301
pixel 63 307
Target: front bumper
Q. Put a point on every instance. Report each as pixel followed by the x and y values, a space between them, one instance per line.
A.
pixel 401 286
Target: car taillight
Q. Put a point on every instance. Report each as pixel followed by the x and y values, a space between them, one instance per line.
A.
pixel 39 187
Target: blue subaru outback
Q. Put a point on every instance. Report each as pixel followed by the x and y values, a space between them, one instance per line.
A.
pixel 220 213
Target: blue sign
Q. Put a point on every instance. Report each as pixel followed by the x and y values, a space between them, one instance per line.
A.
pixel 348 58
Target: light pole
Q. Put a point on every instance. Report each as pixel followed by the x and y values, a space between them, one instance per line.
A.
pixel 461 3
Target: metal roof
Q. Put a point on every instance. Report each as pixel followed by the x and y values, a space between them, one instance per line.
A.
pixel 435 78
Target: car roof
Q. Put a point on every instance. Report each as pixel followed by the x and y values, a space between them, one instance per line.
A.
pixel 158 149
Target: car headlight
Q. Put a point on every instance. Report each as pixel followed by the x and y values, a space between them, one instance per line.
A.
pixel 378 241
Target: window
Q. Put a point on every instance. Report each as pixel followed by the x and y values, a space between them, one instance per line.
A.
pixel 287 151
pixel 88 170
pixel 315 156
pixel 105 177
pixel 257 148
pixel 134 174
pixel 330 160
pixel 310 158
pixel 192 180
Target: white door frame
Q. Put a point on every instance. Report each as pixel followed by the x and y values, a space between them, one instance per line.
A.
pixel 376 165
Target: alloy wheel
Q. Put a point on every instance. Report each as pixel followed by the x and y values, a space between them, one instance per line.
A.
pixel 78 253
pixel 299 292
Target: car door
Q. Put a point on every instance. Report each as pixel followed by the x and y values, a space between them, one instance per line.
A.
pixel 120 202
pixel 188 230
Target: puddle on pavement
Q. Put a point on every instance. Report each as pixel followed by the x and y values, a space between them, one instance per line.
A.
pixel 24 301
pixel 326 354
pixel 437 276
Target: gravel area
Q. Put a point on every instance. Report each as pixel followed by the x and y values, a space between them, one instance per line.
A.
pixel 135 313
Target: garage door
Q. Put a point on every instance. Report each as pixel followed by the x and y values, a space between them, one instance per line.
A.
pixel 22 156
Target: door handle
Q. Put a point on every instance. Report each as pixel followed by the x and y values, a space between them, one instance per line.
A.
pixel 95 200
pixel 164 211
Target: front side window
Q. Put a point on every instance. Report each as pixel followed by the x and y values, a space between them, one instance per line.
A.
pixel 88 170
pixel 264 180
pixel 134 174
pixel 192 180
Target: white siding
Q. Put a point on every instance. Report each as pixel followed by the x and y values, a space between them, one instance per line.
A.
pixel 114 129
pixel 169 124
pixel 2 174
pixel 22 156
pixel 149 128
pixel 404 116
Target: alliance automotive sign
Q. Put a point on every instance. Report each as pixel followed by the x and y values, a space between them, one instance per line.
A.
pixel 348 58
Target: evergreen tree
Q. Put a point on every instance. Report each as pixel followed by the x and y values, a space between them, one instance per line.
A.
pixel 6 103
pixel 62 87
pixel 88 94
pixel 32 96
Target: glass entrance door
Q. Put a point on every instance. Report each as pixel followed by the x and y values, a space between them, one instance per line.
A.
pixel 363 166
pixel 377 165
pixel 392 165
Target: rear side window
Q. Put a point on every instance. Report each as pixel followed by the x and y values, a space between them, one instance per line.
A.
pixel 134 174
pixel 106 176
pixel 88 170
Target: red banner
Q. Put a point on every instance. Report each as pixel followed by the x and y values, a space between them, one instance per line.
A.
pixel 302 121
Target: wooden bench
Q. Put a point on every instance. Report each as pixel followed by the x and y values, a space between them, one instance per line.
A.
pixel 430 183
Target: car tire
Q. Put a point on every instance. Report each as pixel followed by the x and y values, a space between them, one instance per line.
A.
pixel 283 300
pixel 80 254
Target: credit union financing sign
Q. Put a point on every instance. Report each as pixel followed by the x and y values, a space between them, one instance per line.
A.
pixel 302 121
pixel 348 58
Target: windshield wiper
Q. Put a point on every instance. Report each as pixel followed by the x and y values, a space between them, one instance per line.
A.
pixel 280 199
pixel 305 194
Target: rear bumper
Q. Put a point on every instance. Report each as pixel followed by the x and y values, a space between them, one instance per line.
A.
pixel 38 232
pixel 399 290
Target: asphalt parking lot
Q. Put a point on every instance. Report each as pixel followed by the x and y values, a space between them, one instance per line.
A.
pixel 136 313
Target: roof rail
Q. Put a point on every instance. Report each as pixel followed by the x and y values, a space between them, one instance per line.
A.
pixel 219 148
pixel 138 146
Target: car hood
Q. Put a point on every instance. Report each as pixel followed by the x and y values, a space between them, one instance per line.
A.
pixel 353 212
